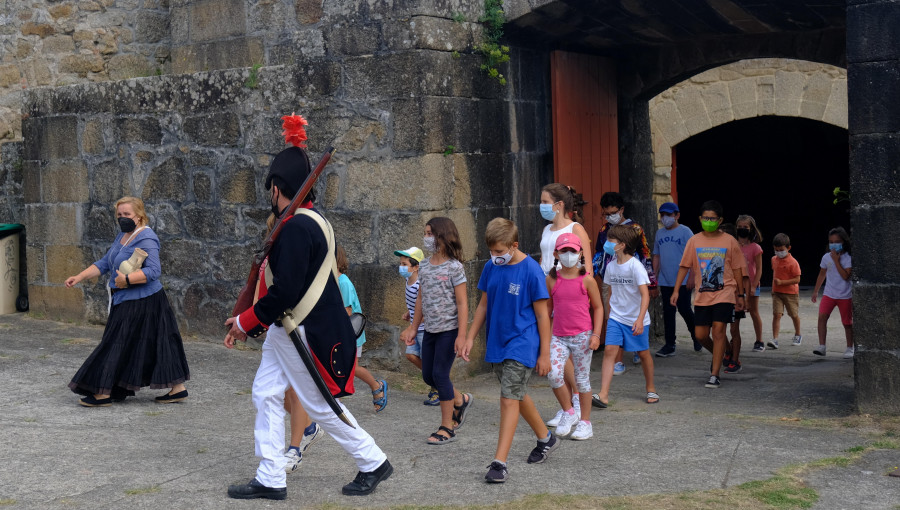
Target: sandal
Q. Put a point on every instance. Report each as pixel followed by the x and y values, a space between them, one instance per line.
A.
pixel 435 438
pixel 596 402
pixel 381 402
pixel 652 397
pixel 459 415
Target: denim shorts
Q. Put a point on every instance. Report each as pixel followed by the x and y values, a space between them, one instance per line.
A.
pixel 416 348
pixel 513 378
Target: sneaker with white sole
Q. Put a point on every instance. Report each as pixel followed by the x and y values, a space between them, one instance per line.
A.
pixel 848 353
pixel 759 346
pixel 292 459
pixel 564 428
pixel 666 351
pixel 713 382
pixel 576 403
pixel 773 344
pixel 619 369
pixel 497 473
pixel 553 422
pixel 309 439
pixel 820 350
pixel 542 450
pixel 582 431
pixel 797 340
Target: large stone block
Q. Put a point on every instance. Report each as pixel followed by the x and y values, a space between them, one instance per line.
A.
pixel 182 258
pixel 353 230
pixel 141 130
pixel 228 54
pixel 440 33
pixel 373 185
pixel 874 316
pixel 308 11
pixel 836 113
pixel 872 32
pixel 397 231
pixel 871 222
pixel 869 83
pixel 151 27
pixel 49 138
pixel 123 67
pixel 65 261
pixel 789 89
pixel 56 302
pixel 34 262
pixel 81 65
pixel 381 290
pixel 31 181
pixel 743 98
pixel 432 124
pixel 877 375
pixel 165 220
pixel 353 38
pixel 215 130
pixel 489 180
pixel 670 123
pixel 167 181
pixel 211 223
pixel 237 181
pixel 217 19
pixel 65 181
pixel 92 137
pixel 101 226
pixel 110 181
pixel 875 168
pixel 54 223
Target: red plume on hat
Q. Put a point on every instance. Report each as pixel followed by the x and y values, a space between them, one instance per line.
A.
pixel 294 133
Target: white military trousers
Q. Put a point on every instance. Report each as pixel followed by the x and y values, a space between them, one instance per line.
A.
pixel 279 368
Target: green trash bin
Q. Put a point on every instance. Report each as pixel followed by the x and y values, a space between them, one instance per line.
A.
pixel 11 297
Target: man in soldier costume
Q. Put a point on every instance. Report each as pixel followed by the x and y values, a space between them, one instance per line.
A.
pixel 294 260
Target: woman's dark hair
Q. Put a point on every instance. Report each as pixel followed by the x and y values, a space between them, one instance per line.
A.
pixel 572 203
pixel 845 238
pixel 446 237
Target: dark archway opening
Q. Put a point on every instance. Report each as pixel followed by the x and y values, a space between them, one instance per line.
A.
pixel 780 170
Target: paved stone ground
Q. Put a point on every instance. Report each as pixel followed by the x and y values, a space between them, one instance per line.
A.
pixel 139 454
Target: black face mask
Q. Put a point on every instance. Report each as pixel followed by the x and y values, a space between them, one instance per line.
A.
pixel 743 233
pixel 127 224
pixel 275 210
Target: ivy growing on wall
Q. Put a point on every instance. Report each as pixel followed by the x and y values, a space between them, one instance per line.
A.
pixel 493 53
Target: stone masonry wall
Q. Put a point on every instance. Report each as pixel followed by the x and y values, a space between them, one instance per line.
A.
pixel 53 43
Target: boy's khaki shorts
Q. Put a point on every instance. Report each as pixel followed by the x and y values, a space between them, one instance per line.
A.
pixel 789 302
pixel 513 378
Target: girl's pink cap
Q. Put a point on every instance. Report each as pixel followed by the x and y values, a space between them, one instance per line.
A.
pixel 568 241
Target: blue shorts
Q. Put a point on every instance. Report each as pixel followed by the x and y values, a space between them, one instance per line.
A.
pixel 416 348
pixel 619 334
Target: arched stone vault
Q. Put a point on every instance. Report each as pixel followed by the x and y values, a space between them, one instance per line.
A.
pixel 742 90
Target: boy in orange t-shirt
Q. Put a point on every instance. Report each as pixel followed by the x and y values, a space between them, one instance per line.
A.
pixel 785 289
pixel 717 263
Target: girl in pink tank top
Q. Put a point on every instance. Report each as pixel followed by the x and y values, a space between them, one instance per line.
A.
pixel 577 314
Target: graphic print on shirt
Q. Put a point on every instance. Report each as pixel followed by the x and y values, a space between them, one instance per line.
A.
pixel 514 288
pixel 712 268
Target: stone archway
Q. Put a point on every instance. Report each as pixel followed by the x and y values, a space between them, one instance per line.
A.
pixel 741 90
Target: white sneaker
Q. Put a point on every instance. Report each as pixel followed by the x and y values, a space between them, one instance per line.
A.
pixel 848 354
pixel 309 439
pixel 555 420
pixel 565 424
pixel 582 431
pixel 576 403
pixel 820 350
pixel 798 339
pixel 292 459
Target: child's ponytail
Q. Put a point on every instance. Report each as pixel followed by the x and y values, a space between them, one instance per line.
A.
pixel 553 269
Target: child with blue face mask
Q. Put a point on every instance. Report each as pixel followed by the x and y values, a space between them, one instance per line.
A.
pixel 409 271
pixel 835 272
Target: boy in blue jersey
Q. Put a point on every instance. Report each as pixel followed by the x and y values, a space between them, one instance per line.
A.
pixel 513 306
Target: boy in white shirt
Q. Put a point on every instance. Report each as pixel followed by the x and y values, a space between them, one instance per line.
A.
pixel 628 318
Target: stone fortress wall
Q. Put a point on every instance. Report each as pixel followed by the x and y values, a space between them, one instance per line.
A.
pixel 420 130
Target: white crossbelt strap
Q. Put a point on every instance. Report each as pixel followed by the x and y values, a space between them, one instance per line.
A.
pixel 309 300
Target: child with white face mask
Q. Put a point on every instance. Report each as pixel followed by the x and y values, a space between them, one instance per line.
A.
pixel 577 321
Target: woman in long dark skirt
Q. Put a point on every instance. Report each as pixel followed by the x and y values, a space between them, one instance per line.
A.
pixel 141 345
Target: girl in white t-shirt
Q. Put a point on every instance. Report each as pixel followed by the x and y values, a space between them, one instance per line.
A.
pixel 558 207
pixel 835 272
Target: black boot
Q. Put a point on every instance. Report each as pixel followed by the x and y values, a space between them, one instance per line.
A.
pixel 253 489
pixel 365 483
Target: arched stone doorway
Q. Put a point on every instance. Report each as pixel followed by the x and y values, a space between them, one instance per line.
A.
pixel 742 90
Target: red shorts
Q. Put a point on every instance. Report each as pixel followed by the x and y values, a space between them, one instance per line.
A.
pixel 826 306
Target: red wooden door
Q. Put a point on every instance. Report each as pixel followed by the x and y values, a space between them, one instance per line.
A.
pixel 585 128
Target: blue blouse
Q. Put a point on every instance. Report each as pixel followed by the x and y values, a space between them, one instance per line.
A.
pixel 146 240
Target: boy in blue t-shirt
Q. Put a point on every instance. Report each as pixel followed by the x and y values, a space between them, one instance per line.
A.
pixel 667 252
pixel 513 306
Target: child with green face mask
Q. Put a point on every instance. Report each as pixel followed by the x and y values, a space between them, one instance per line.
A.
pixel 717 264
